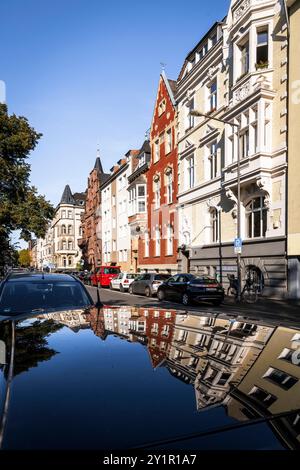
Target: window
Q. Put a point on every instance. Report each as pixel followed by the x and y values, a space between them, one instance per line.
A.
pixel 280 378
pixel 262 56
pixel 288 355
pixel 157 242
pixel 191 119
pixel 169 141
pixel 70 245
pixel 142 160
pixel 64 262
pixel 69 229
pixel 63 214
pixel 244 143
pixel 213 161
pixel 169 240
pixel 156 151
pixel 147 243
pixel 141 200
pixel 213 39
pixel 69 214
pixel 80 231
pixel 213 96
pixel 190 172
pixel 169 181
pixel 70 261
pixel 64 245
pixel 244 54
pixel 265 398
pixel 157 194
pixel 256 218
pixel 63 230
pixel 215 225
pixel 161 107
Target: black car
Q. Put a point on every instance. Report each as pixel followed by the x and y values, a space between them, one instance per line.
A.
pixel 31 293
pixel 187 288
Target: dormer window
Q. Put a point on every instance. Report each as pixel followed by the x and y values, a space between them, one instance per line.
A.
pixel 161 107
pixel 142 160
pixel 213 39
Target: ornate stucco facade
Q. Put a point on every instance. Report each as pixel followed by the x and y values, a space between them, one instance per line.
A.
pixel 237 72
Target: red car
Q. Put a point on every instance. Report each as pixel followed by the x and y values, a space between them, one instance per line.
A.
pixel 102 276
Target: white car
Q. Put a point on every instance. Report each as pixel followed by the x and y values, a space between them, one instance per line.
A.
pixel 122 281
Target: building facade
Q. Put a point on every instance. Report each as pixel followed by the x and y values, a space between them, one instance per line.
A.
pixel 158 248
pixel 293 149
pixel 137 207
pixel 91 243
pixel 237 73
pixel 116 241
pixel 59 249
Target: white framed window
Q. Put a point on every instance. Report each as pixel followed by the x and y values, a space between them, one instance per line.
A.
pixel 70 245
pixel 262 49
pixel 191 119
pixel 169 141
pixel 244 142
pixel 213 159
pixel 190 166
pixel 212 106
pixel 69 229
pixel 169 181
pixel 147 245
pixel 156 151
pixel 215 225
pixel 142 160
pixel 141 198
pixel 157 194
pixel 256 218
pixel 169 239
pixel 157 242
pixel 242 62
pixel 69 214
pixel 63 214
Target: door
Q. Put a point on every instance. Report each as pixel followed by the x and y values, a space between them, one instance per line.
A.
pixel 180 286
pixel 170 289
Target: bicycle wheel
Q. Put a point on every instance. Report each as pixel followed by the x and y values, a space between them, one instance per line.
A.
pixel 250 295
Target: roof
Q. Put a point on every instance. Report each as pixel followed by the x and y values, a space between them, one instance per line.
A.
pixel 171 87
pixel 67 197
pixel 79 197
pixel 98 165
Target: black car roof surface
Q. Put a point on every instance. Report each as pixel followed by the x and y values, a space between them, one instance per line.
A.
pixel 47 277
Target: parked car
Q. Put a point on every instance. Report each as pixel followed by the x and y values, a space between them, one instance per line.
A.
pixel 102 276
pixel 27 293
pixel 147 284
pixel 122 281
pixel 187 288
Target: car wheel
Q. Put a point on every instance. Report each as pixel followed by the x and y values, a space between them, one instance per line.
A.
pixel 122 288
pixel 185 299
pixel 161 295
pixel 130 290
pixel 147 292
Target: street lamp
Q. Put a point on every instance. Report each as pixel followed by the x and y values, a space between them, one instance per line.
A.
pixel 194 112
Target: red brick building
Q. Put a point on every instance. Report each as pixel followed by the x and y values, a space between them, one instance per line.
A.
pixel 91 242
pixel 158 248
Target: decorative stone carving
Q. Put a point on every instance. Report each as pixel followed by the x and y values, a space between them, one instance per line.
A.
pixel 264 184
pixel 231 196
pixel 239 12
pixel 242 92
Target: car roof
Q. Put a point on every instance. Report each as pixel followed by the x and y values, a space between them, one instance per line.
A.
pixel 41 277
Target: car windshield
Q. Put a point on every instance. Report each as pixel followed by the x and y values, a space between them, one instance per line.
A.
pixel 131 276
pixel 111 271
pixel 25 297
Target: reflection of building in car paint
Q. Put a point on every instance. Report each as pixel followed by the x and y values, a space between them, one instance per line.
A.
pixel 73 319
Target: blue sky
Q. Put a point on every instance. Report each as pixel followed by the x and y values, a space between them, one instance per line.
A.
pixel 85 72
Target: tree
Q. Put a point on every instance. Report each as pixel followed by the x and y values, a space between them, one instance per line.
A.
pixel 24 258
pixel 21 207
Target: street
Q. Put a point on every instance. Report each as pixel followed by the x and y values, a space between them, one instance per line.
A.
pixel 272 310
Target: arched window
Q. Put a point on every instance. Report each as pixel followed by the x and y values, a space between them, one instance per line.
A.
pixel 64 245
pixel 64 261
pixel 70 261
pixel 256 218
pixel 215 225
pixel 70 245
pixel 63 230
pixel 69 229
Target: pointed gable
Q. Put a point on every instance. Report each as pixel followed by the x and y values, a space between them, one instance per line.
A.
pixel 67 197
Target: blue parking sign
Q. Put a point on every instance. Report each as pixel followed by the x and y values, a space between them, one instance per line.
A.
pixel 238 242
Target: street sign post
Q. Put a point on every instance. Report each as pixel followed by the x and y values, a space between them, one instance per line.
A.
pixel 238 243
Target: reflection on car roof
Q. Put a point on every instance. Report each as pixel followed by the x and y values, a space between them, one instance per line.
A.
pixel 30 277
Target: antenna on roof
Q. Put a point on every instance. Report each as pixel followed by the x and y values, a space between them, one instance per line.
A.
pixel 163 66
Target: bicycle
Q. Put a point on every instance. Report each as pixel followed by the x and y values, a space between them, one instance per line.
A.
pixel 249 292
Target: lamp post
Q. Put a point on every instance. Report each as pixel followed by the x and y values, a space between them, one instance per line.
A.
pixel 194 112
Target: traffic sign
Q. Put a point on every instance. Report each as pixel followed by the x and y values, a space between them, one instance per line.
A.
pixel 238 243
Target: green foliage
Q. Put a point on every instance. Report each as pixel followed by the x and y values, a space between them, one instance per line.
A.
pixel 21 207
pixel 24 258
